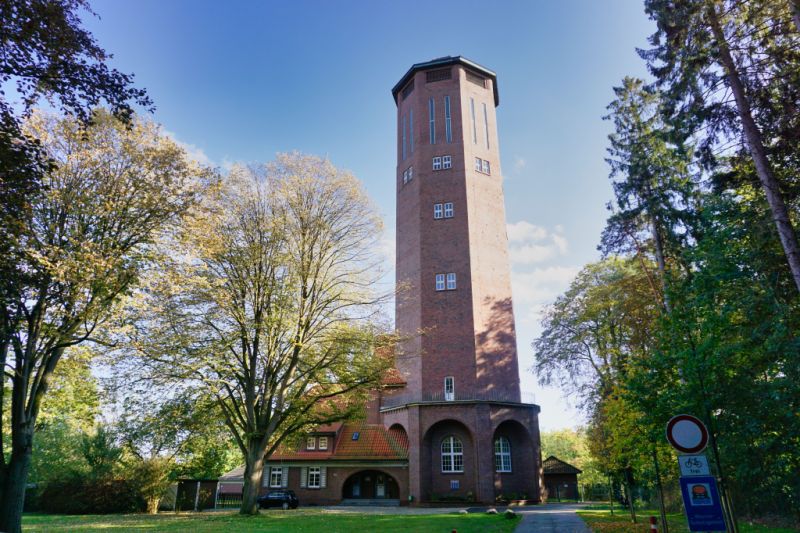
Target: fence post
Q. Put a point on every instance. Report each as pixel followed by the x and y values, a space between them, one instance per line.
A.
pixel 653 522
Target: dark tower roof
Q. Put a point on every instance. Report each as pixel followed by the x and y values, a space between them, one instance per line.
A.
pixel 442 62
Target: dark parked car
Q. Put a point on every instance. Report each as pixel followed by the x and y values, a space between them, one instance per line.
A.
pixel 284 499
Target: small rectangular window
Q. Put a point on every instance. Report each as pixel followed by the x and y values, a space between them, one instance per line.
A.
pixel 439 282
pixel 447 161
pixel 448 130
pixel 474 127
pixel 455 484
pixel 408 89
pixel 313 477
pixel 437 211
pixel 275 477
pixel 480 81
pixel 323 443
pixel 311 443
pixel 437 75
pixel 437 163
pixel 432 120
pixel 478 164
pixel 451 281
pixel 486 124
pixel 486 169
pixel 448 210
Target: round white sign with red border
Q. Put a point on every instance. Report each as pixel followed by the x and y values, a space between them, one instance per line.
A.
pixel 687 434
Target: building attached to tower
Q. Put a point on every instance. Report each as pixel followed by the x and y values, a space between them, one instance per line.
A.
pixel 449 423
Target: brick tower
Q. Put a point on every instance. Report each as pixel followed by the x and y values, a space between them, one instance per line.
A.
pixel 469 434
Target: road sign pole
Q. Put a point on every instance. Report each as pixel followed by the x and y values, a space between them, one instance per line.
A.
pixel 733 526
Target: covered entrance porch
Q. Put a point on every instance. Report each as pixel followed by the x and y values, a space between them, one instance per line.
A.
pixel 370 487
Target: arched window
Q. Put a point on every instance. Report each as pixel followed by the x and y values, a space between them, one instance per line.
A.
pixel 452 455
pixel 502 455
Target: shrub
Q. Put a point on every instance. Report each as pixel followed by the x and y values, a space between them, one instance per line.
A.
pixel 87 496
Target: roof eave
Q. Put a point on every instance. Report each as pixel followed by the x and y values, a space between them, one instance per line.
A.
pixel 442 61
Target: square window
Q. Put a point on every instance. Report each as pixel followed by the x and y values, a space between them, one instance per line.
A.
pixel 478 164
pixel 439 282
pixel 437 163
pixel 486 167
pixel 448 210
pixel 451 281
pixel 313 477
pixel 311 443
pixel 447 161
pixel 437 211
pixel 455 484
pixel 323 443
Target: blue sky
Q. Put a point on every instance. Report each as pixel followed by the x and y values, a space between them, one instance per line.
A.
pixel 239 81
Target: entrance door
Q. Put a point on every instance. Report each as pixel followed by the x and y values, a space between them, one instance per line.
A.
pixel 380 487
pixel 356 488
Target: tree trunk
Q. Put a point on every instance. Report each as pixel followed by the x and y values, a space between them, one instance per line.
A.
pixel 780 214
pixel 152 505
pixel 253 474
pixel 16 478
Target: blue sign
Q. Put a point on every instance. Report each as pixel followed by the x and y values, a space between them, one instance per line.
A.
pixel 701 501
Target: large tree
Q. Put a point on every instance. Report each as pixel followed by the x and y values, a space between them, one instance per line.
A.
pixel 269 303
pixel 111 190
pixel 728 70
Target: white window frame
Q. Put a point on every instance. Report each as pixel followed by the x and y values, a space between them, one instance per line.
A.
pixel 440 282
pixel 438 212
pixel 314 475
pixel 323 443
pixel 451 281
pixel 408 175
pixel 448 210
pixel 449 388
pixel 452 455
pixel 502 455
pixel 447 162
pixel 486 168
pixel 437 163
pixel 275 477
pixel 311 443
pixel 478 164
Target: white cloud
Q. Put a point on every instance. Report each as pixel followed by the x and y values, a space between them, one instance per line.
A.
pixel 519 163
pixel 194 152
pixel 529 244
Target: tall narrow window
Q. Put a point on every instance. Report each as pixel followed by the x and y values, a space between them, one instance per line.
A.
pixel 486 124
pixel 448 210
pixel 478 165
pixel 411 128
pixel 448 130
pixel 437 211
pixel 323 443
pixel 449 388
pixel 447 161
pixel 502 455
pixel 474 127
pixel 404 137
pixel 452 455
pixel 486 168
pixel 451 281
pixel 439 282
pixel 432 119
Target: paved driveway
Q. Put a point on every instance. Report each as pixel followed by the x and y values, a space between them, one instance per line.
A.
pixel 551 518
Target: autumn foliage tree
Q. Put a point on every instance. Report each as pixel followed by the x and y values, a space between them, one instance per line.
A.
pixel 266 300
pixel 111 190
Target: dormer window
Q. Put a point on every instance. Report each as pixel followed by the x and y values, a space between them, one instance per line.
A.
pixel 311 443
pixel 323 443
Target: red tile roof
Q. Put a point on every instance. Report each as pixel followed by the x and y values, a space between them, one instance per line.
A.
pixel 374 442
pixel 393 377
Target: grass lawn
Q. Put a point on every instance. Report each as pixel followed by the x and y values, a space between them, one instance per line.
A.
pixel 273 520
pixel 601 521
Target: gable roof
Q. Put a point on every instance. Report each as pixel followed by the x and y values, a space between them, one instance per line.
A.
pixel 554 465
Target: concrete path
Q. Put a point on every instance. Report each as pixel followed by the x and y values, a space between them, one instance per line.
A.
pixel 551 518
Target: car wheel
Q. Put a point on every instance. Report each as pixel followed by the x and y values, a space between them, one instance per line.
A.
pixel 285 505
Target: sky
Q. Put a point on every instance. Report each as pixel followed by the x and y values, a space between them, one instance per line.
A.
pixel 239 81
